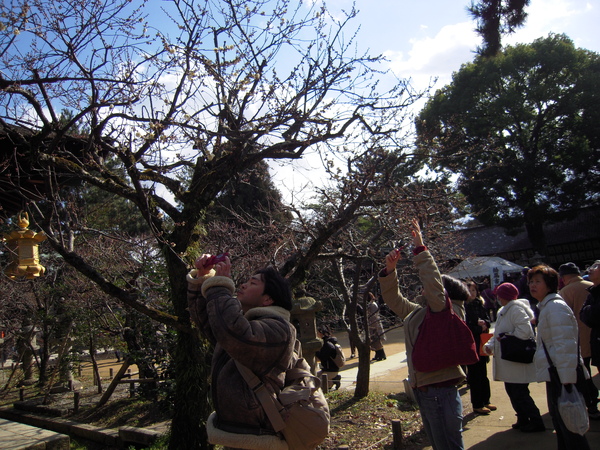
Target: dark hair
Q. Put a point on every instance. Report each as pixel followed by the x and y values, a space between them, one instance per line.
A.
pixel 548 273
pixel 324 330
pixel 470 283
pixel 276 286
pixel 456 289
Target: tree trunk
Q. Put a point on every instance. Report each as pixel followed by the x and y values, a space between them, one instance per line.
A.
pixel 535 233
pixel 192 406
pixel 44 355
pixel 364 370
pixel 63 329
pixel 25 349
pixel 95 364
pixel 191 367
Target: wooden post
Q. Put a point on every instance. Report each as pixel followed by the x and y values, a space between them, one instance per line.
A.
pixel 110 373
pixel 397 433
pixel 324 383
pixel 131 390
pixel 21 394
pixel 76 402
pixel 112 386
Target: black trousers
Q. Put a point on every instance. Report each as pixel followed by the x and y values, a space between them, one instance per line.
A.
pixel 479 384
pixel 591 392
pixel 522 403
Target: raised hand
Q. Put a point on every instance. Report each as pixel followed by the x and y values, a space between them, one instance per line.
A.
pixel 206 262
pixel 392 259
pixel 416 233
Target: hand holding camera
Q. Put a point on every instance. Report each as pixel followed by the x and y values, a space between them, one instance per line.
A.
pixel 206 262
pixel 216 259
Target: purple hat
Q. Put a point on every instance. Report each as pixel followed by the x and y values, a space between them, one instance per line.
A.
pixel 507 291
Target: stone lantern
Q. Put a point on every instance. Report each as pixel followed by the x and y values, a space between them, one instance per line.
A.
pixel 23 246
pixel 304 318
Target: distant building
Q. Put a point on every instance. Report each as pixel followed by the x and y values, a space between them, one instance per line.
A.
pixel 575 239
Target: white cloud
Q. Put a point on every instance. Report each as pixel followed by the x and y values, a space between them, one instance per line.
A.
pixel 543 17
pixel 578 19
pixel 437 56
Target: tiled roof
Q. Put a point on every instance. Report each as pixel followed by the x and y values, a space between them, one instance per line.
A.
pixel 494 240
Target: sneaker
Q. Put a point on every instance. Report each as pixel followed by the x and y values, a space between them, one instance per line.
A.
pixel 532 427
pixel 491 407
pixel 483 410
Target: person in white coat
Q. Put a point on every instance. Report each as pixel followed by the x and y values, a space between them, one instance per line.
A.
pixel 514 318
pixel 557 331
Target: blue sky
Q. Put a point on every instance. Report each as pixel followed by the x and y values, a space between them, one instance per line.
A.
pixel 431 39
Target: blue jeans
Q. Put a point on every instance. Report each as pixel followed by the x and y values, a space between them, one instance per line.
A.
pixel 441 412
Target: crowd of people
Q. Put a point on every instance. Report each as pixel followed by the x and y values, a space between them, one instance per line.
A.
pixel 558 310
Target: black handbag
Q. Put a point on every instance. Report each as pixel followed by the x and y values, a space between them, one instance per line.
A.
pixel 517 350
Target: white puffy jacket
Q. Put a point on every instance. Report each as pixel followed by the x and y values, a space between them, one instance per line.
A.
pixel 515 319
pixel 557 328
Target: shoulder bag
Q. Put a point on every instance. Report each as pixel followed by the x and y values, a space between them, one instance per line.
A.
pixel 444 340
pixel 300 410
pixel 516 350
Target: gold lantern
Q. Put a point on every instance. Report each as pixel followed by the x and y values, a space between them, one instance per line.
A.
pixel 23 245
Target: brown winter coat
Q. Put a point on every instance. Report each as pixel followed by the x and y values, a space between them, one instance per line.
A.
pixel 575 294
pixel 262 340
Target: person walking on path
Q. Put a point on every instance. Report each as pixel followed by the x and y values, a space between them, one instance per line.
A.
pixel 478 321
pixel 514 318
pixel 558 334
pixel 575 293
pixel 376 331
pixel 436 392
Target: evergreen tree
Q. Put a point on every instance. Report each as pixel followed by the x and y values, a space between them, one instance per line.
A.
pixel 521 132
